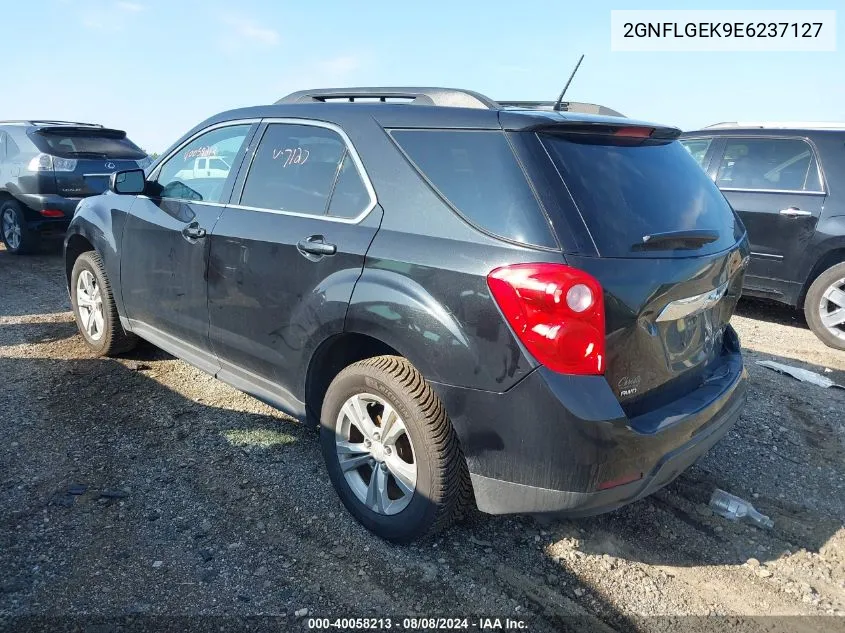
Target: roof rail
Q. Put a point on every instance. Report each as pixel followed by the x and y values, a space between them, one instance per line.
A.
pixel 566 106
pixel 50 122
pixel 809 125
pixel 415 96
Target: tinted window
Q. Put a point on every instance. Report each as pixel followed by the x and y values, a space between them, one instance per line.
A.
pixel 763 163
pixel 294 169
pixel 76 143
pixel 697 147
pixel 186 175
pixel 350 196
pixel 625 192
pixel 477 173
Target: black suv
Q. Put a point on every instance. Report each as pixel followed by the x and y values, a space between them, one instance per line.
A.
pixel 528 307
pixel 46 167
pixel 786 183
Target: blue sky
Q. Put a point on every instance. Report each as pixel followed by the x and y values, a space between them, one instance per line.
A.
pixel 157 67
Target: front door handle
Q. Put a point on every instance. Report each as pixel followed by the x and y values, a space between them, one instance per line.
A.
pixel 795 212
pixel 194 231
pixel 316 245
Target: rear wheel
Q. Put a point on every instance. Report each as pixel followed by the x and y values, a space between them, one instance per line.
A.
pixel 391 452
pixel 94 307
pixel 17 237
pixel 824 306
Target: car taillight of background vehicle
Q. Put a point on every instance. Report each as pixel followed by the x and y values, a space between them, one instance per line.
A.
pixel 45 162
pixel 556 311
pixel 143 163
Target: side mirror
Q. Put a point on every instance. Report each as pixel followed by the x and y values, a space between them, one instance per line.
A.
pixel 131 181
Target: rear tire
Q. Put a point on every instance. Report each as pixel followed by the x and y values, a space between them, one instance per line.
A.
pixel 824 305
pixel 94 308
pixel 16 235
pixel 379 395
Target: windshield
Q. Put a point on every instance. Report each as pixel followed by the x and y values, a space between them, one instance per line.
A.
pixel 625 192
pixel 87 143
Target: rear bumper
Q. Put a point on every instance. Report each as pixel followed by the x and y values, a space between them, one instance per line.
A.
pixel 48 227
pixel 558 444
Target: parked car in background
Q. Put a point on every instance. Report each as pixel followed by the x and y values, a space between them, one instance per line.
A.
pixel 787 183
pixel 47 167
pixel 528 307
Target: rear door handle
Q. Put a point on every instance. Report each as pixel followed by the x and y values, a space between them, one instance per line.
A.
pixel 795 212
pixel 316 245
pixel 194 231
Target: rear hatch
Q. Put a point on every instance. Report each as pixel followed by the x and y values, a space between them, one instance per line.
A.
pixel 84 157
pixel 663 243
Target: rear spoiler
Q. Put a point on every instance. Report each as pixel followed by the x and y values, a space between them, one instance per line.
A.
pixel 81 130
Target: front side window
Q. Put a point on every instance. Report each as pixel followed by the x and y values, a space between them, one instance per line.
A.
pixel 767 163
pixel 304 169
pixel 198 171
pixel 697 147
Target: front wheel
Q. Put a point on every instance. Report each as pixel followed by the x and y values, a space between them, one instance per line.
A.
pixel 95 309
pixel 824 306
pixel 391 452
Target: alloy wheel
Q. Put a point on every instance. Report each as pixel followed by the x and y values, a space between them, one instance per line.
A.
pixel 89 302
pixel 832 308
pixel 11 229
pixel 375 454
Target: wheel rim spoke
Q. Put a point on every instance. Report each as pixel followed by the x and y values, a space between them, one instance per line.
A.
pixel 404 474
pixel 377 498
pixel 834 318
pixel 835 296
pixel 391 426
pixel 89 304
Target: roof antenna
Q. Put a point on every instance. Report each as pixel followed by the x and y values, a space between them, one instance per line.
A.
pixel 559 101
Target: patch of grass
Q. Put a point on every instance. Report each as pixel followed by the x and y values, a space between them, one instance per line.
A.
pixel 258 438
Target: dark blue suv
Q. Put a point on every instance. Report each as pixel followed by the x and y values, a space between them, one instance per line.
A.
pixel 47 167
pixel 525 309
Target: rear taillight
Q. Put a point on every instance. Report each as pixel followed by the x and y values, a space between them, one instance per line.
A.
pixel 52 213
pixel 556 311
pixel 45 162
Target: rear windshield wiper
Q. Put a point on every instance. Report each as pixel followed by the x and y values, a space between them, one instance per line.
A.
pixel 677 240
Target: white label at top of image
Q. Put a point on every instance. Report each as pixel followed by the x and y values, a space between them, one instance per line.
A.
pixel 748 30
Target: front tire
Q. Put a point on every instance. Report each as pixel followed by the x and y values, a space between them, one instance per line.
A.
pixel 824 306
pixel 94 308
pixel 16 235
pixel 391 452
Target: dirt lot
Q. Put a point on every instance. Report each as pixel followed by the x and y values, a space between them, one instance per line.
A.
pixel 141 486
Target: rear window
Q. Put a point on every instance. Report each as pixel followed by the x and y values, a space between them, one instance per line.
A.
pixel 625 192
pixel 476 172
pixel 87 144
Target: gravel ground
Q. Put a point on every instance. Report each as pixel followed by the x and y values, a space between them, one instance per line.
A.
pixel 143 487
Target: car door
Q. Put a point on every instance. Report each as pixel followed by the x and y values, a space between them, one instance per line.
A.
pixel 164 250
pixel 775 184
pixel 285 256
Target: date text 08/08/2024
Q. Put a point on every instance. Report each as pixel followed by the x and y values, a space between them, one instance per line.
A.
pixel 419 623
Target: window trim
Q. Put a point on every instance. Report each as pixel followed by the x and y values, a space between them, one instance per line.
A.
pixel 350 151
pixel 154 174
pixel 772 137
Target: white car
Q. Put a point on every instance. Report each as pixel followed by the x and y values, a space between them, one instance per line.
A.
pixel 205 167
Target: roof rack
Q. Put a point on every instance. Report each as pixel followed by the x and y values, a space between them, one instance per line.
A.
pixel 809 125
pixel 434 96
pixel 415 96
pixel 50 122
pixel 566 106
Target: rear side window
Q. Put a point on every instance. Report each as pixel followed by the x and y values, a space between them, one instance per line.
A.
pixel 625 192
pixel 768 163
pixel 75 143
pixel 476 172
pixel 299 168
pixel 697 147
